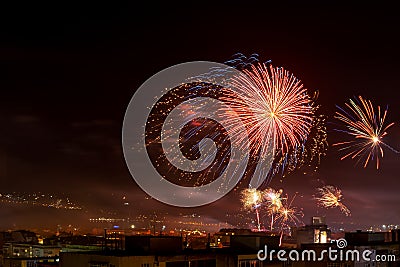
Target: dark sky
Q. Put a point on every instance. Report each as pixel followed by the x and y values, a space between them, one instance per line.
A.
pixel 69 72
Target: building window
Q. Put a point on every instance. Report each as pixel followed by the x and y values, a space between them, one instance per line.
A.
pixel 249 263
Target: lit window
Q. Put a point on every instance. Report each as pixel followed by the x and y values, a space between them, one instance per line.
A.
pixel 250 263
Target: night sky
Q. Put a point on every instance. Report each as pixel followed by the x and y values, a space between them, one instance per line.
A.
pixel 69 72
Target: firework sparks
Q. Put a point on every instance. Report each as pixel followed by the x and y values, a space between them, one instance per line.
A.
pixel 274 106
pixel 273 200
pixel 308 154
pixel 279 209
pixel 289 214
pixel 252 200
pixel 240 61
pixel 367 126
pixel 331 197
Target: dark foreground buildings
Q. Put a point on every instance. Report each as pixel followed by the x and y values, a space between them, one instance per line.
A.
pixel 169 251
pixel 227 248
pixel 241 249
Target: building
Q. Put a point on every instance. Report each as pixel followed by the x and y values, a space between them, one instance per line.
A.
pixel 27 255
pixel 21 236
pixel 316 232
pixel 153 244
pixel 169 251
pixel 392 235
pixel 244 238
pixel 365 238
pixel 29 251
pixel 127 260
pixel 381 243
pixel 223 237
pixel 31 262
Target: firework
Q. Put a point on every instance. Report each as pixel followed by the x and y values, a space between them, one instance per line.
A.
pixel 279 209
pixel 229 123
pixel 289 214
pixel 276 111
pixel 252 200
pixel 273 199
pixel 366 125
pixel 331 197
pixel 274 106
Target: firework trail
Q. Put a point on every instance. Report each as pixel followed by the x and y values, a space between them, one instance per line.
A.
pixel 289 214
pixel 366 125
pixel 273 199
pixel 252 200
pixel 331 197
pixel 240 62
